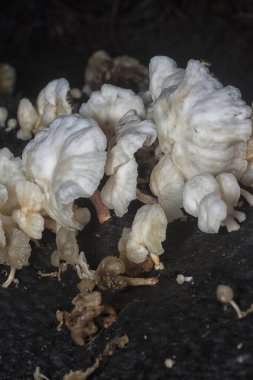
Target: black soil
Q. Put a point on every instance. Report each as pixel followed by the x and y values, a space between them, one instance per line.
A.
pixel 183 322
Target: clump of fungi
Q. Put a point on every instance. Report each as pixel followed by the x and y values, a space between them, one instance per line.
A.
pixel 109 275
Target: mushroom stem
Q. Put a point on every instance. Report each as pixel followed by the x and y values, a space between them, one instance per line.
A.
pixel 102 211
pixel 157 262
pixel 240 216
pixel 240 314
pixel 138 281
pixel 247 196
pixel 231 224
pixel 145 198
pixel 10 278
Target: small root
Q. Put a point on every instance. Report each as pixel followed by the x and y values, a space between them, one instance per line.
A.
pixel 103 212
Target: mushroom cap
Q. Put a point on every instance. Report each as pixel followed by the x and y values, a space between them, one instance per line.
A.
pixel 120 188
pixel 212 212
pixel 67 162
pixel 196 189
pixel 163 73
pixel 224 293
pixel 167 183
pixel 110 104
pixel 147 232
pixel 203 125
pixel 229 188
pixel 53 101
pixel 131 134
pixel 27 117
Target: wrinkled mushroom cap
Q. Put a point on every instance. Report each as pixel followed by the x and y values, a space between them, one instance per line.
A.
pixel 67 162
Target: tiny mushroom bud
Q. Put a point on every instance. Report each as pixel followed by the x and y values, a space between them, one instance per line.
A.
pixel 75 93
pixel 169 362
pixel 27 117
pixel 11 124
pixel 182 279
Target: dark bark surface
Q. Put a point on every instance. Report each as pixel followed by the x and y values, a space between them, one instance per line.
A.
pixel 50 39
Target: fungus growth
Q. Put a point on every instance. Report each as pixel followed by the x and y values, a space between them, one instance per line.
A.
pixel 202 127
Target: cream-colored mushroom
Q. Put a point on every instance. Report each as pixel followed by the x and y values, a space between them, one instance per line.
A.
pixel 212 200
pixel 147 232
pixel 202 126
pixel 67 162
pixel 17 252
pixel 31 201
pixel 27 118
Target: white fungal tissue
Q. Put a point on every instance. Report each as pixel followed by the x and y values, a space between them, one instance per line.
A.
pixel 52 102
pixel 118 112
pixel 147 233
pixel 202 126
pixel 212 200
pixel 67 162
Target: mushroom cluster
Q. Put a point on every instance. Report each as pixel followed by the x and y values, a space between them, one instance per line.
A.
pixel 194 134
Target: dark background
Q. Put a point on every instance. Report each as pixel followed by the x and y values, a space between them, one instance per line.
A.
pixel 45 40
pixel 49 39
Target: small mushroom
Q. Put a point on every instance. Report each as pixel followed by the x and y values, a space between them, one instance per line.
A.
pixel 27 118
pixel 75 93
pixel 11 124
pixel 145 236
pixel 181 279
pixel 225 295
pixel 108 275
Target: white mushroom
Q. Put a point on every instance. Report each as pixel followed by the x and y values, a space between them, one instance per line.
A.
pixel 212 212
pixel 31 201
pixel 120 188
pixel 16 252
pixel 75 93
pixel 10 174
pixel 67 162
pixel 118 113
pixel 147 232
pixel 11 124
pixel 196 189
pixel 109 105
pixel 202 126
pixel 52 101
pixel 131 134
pixel 166 182
pixel 212 200
pixel 163 73
pixel 27 118
pixel 229 190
